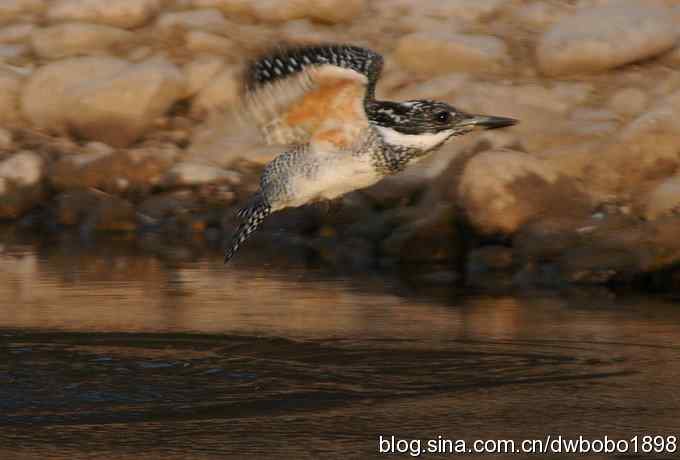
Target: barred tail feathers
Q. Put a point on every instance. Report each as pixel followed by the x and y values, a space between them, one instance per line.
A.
pixel 252 217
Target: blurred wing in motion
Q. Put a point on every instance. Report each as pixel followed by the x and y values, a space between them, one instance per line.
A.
pixel 311 94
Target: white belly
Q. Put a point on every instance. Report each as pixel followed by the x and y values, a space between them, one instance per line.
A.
pixel 333 179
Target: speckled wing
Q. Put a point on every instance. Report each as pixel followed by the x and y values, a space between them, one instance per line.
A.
pixel 312 94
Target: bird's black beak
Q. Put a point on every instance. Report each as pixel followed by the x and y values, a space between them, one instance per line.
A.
pixel 486 122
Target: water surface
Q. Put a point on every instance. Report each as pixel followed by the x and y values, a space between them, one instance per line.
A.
pixel 109 351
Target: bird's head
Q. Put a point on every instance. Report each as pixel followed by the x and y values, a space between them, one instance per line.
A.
pixel 425 124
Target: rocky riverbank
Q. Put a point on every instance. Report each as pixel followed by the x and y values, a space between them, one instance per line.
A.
pixel 115 116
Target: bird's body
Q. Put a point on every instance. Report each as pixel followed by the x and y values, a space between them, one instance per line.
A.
pixel 312 176
pixel 319 100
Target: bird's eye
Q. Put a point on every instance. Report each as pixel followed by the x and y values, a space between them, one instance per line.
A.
pixel 443 117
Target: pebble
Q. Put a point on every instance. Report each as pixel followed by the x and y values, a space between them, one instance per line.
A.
pixel 6 139
pixel 47 97
pixel 229 7
pixel 187 173
pixel 435 88
pixel 103 99
pixel 539 14
pixel 451 12
pixel 140 53
pixel 601 38
pixel 92 209
pixel 139 169
pixel 629 101
pixel 429 238
pixel 645 149
pixel 201 71
pixel 663 199
pixel 304 31
pixel 73 39
pixel 99 148
pixel 461 10
pixel 13 9
pixel 437 53
pixel 13 52
pixel 20 183
pixel 16 33
pixel 208 19
pixel 120 110
pixel 118 13
pixel 161 205
pixel 502 190
pixel 10 89
pixel 328 11
pixel 24 168
pixel 198 41
pixel 221 92
pixel 541 108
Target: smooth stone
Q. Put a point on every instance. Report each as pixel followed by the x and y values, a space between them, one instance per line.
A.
pixel 598 39
pixel 10 90
pixel 207 19
pixel 24 168
pixel 118 13
pixel 12 9
pixel 643 151
pixel 228 7
pixel 450 11
pixel 464 10
pixel 188 173
pixel 47 96
pixel 328 11
pixel 431 237
pixel 199 41
pixel 73 39
pixel 201 71
pixel 159 206
pixel 92 209
pixel 13 52
pixel 6 139
pixel 113 171
pixel 221 92
pixel 500 191
pixel 663 199
pixel 542 109
pixel 16 33
pixel 20 183
pixel 120 110
pixel 436 53
pixel 540 14
pixel 629 101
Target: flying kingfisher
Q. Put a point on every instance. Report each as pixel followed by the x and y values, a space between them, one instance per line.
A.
pixel 320 101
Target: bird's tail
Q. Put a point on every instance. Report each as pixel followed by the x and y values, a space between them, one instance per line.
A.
pixel 251 217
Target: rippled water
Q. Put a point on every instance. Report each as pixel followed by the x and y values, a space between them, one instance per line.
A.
pixel 109 351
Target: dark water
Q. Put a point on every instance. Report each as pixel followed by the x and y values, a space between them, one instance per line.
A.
pixel 107 351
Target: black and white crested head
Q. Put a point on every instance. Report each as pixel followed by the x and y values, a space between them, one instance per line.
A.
pixel 426 124
pixel 413 117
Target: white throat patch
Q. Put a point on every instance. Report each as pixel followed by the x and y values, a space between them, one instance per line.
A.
pixel 418 141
